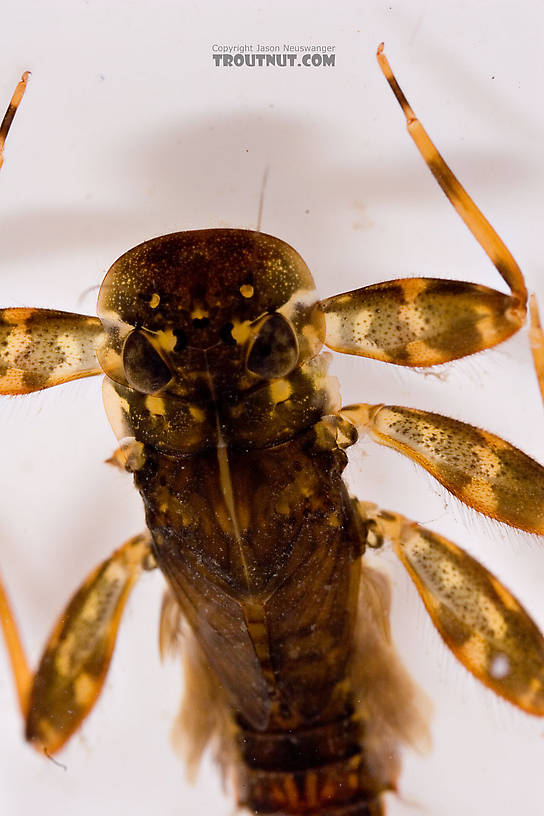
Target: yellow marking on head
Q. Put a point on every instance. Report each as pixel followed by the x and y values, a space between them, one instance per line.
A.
pixel 247 290
pixel 85 687
pixel 155 405
pixel 155 300
pixel 241 331
pixel 124 405
pixel 199 313
pixel 166 340
pixel 280 390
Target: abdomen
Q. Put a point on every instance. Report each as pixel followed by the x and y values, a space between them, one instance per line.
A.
pixel 268 582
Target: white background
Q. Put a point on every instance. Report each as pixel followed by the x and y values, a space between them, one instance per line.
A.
pixel 128 131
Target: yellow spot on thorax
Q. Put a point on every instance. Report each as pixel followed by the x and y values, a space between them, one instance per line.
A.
pixel 155 300
pixel 246 290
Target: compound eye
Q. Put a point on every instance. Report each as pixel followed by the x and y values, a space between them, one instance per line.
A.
pixel 145 369
pixel 274 351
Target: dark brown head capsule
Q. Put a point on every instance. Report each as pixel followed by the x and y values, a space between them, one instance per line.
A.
pixel 212 334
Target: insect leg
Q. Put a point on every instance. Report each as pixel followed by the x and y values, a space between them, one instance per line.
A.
pixel 11 111
pixel 475 220
pixel 40 348
pixel 481 469
pixel 57 698
pixel 427 321
pixel 536 336
pixel 485 627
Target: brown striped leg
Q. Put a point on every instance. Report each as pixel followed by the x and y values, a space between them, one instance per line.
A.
pixel 427 321
pixel 56 699
pixel 481 469
pixel 484 626
pixel 11 111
